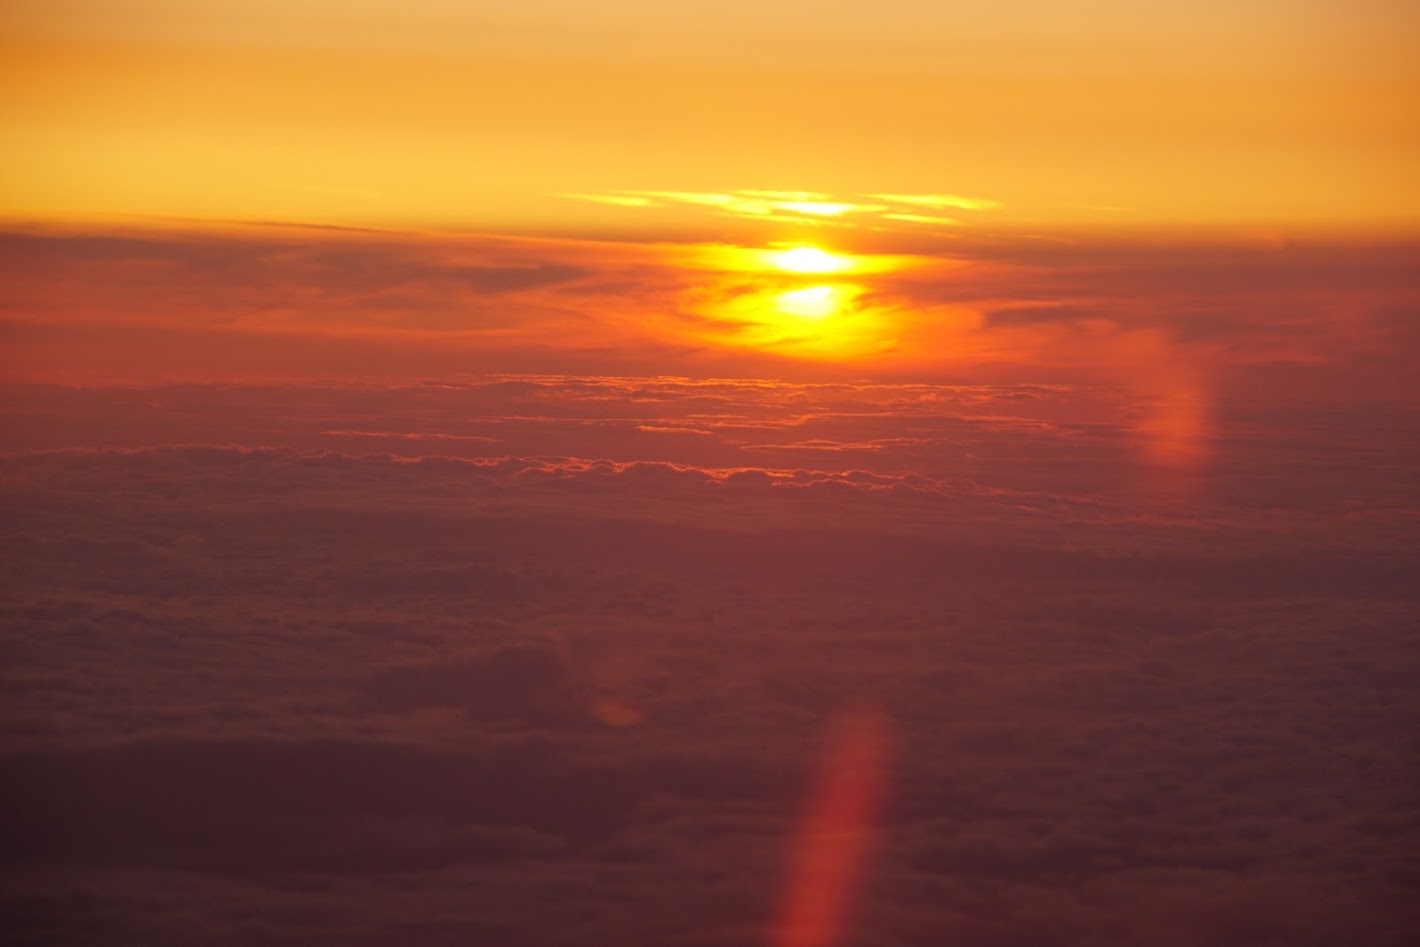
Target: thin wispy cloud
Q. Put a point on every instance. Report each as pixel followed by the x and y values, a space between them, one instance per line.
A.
pixel 806 207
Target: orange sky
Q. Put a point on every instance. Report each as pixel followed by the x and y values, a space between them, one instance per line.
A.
pixel 436 113
pixel 1151 194
pixel 463 456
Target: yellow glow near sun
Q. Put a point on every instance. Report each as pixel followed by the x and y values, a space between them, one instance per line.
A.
pixel 810 260
pixel 818 208
pixel 802 260
pixel 811 302
pixel 797 300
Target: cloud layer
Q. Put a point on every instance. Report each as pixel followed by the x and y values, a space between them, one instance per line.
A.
pixel 323 303
pixel 437 681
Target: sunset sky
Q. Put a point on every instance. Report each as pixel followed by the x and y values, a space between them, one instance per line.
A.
pixel 542 184
pixel 789 474
pixel 459 116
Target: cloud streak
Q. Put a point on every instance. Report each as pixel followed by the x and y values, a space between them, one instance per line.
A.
pixel 284 304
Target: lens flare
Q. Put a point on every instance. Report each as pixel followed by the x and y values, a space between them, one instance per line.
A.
pixel 830 853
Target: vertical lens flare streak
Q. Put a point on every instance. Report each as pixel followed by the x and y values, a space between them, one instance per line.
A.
pixel 834 839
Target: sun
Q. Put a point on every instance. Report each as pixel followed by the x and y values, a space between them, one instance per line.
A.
pixel 810 260
pixel 811 302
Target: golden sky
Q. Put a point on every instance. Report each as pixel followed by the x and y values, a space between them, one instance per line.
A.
pixel 516 438
pixel 444 114
pixel 1154 192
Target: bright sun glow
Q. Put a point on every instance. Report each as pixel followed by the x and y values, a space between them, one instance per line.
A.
pixel 810 260
pixel 801 260
pixel 811 302
pixel 794 299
